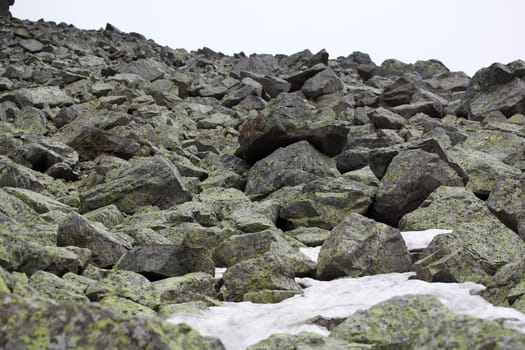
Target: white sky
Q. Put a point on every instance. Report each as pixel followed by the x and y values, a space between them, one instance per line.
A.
pixel 464 34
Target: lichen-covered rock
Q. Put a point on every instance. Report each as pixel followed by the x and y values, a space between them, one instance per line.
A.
pixel 149 181
pixel 108 216
pixel 324 82
pixel 190 287
pixel 288 119
pixel 44 95
pixel 92 141
pixel 309 236
pixel 166 260
pixel 504 146
pixel 306 340
pixel 478 245
pixel 410 178
pixel 324 203
pixel 288 166
pixel 106 247
pixel 506 287
pixel 238 248
pixel 507 200
pixel 37 324
pixel 126 307
pixel 392 324
pixel 266 272
pixel 359 246
pixel 482 169
pixel 57 288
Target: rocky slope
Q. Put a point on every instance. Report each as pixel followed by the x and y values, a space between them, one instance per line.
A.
pixel 129 171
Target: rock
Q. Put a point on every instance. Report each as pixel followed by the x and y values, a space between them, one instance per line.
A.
pixel 324 203
pixel 32 45
pixel 38 97
pixel 4 7
pixel 507 200
pixel 309 236
pixel 505 288
pixel 504 146
pixel 147 181
pixel 288 166
pixel 160 261
pixel 57 288
pixel 39 203
pixel 392 324
pixel 39 324
pixel 305 340
pixel 324 82
pixel 496 88
pixel 190 287
pixel 267 272
pixel 482 169
pixel 299 78
pixel 410 178
pixel 384 119
pixel 238 248
pixel 358 246
pixel 106 247
pixel 249 88
pixel 126 307
pixel 121 283
pixel 285 120
pixel 398 93
pixel 272 85
pixel 478 245
pixel 147 69
pixel 109 216
pixel 92 141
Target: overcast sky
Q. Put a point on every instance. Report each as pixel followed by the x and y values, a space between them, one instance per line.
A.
pixel 464 34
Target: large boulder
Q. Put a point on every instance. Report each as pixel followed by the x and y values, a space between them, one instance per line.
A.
pixel 496 88
pixel 32 323
pixel 148 181
pixel 324 82
pixel 410 178
pixel 478 245
pixel 106 247
pixel 324 202
pixel 288 119
pixel 289 166
pixel 359 246
pixel 166 260
pixel 507 200
pixel 504 146
pixel 4 7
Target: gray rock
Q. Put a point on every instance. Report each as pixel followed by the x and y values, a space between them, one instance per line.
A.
pixel 92 141
pixel 106 247
pixel 410 178
pixel 507 200
pixel 159 261
pixel 4 7
pixel 38 97
pixel 147 69
pixel 31 45
pixel 384 119
pixel 358 246
pixel 148 181
pixel 324 82
pixel 478 245
pixel 288 166
pixel 62 321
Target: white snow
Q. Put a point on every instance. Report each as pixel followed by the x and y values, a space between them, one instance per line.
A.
pixel 417 240
pixel 239 325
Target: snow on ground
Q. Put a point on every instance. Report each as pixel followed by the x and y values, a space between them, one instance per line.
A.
pixel 418 240
pixel 239 325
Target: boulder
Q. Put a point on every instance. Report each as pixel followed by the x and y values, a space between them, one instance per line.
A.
pixel 40 324
pixel 324 82
pixel 166 260
pixel 483 170
pixel 305 340
pixel 4 7
pixel 147 181
pixel 288 166
pixel 323 203
pixel 57 288
pixel 410 178
pixel 190 287
pixel 148 69
pixel 239 248
pixel 92 141
pixel 506 287
pixel 39 97
pixel 504 146
pixel 382 118
pixel 106 247
pixel 507 200
pixel 287 119
pixel 358 246
pixel 478 245
pixel 266 272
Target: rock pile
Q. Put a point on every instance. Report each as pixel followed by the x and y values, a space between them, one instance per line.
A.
pixel 129 171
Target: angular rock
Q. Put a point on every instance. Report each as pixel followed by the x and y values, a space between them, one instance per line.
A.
pixel 190 287
pixel 147 69
pixel 38 97
pixel 324 82
pixel 504 146
pixel 106 247
pixel 384 119
pixel 285 120
pixel 507 200
pixel 57 288
pixel 359 246
pixel 410 178
pixel 239 248
pixel 288 166
pixel 306 340
pixel 40 324
pixel 478 245
pixel 148 181
pixel 160 261
pixel 92 141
